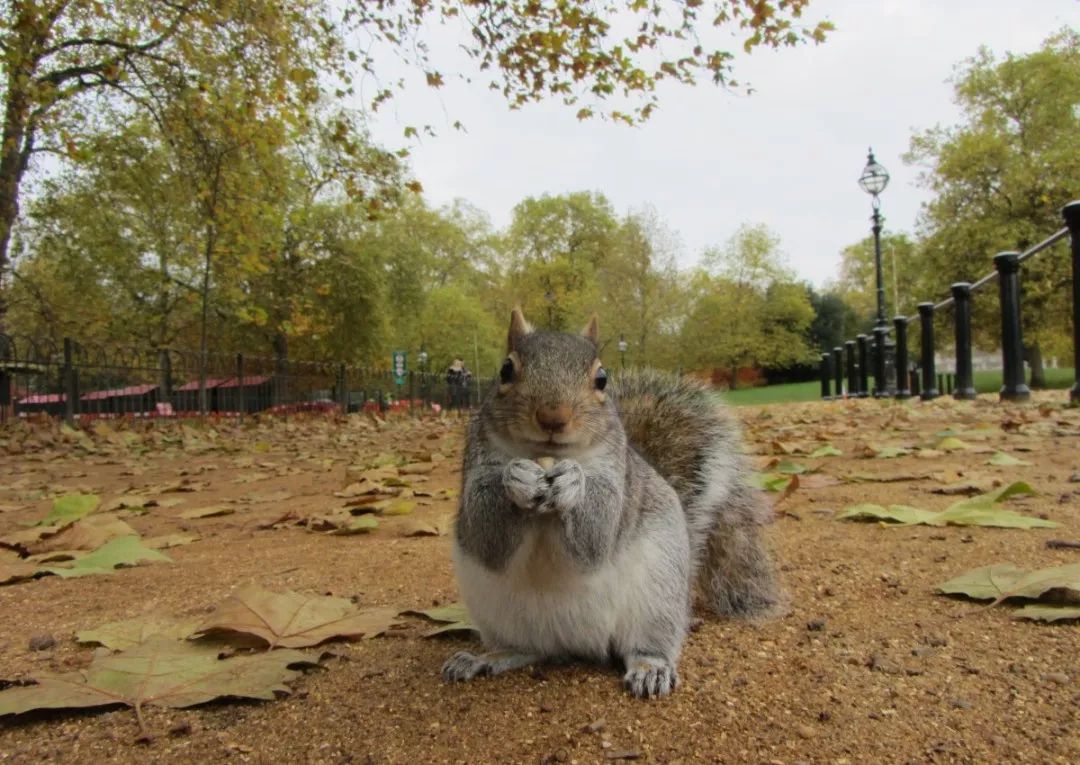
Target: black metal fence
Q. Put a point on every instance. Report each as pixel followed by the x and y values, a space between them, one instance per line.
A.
pixel 82 381
pixel 845 371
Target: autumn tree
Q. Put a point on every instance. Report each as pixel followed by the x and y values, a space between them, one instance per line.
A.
pixel 607 57
pixel 555 247
pixel 999 180
pixel 64 61
pixel 747 307
pixel 902 274
pixel 638 285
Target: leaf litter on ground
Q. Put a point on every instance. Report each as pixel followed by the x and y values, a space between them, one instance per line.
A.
pixel 454 618
pixel 1057 587
pixel 163 672
pixel 975 511
pixel 292 620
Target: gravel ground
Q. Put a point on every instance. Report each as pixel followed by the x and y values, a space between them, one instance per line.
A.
pixel 869 666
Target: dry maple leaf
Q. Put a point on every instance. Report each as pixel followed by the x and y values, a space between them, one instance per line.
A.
pixel 162 672
pixel 292 620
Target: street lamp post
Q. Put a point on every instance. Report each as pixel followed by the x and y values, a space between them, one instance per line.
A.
pixel 623 345
pixel 873 181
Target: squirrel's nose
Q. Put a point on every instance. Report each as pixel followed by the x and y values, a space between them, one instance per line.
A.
pixel 553 418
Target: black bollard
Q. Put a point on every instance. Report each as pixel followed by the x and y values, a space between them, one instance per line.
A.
pixel 864 365
pixel 826 377
pixel 1071 213
pixel 926 358
pixel 965 386
pixel 1013 387
pixel 903 375
pixel 852 381
pixel 838 370
pixel 881 387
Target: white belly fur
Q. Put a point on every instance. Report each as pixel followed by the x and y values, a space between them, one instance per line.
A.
pixel 543 604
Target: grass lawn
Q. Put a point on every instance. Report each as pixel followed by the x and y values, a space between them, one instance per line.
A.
pixel 985 382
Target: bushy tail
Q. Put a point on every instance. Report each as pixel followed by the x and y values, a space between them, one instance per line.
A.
pixel 680 427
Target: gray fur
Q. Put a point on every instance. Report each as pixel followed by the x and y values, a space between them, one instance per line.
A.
pixel 594 557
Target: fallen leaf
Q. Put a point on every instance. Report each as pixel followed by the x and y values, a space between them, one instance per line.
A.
pixel 128 633
pixel 895 513
pixel 1044 613
pixel 356 525
pixel 124 551
pixel 398 507
pixel 1001 459
pixel 454 614
pixel 89 533
pixel 292 620
pixel 70 508
pixel 952 444
pixel 10 573
pixel 826 451
pixel 1062 581
pixel 160 672
pixel 985 583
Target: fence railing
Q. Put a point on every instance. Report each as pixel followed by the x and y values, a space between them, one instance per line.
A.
pixel 845 370
pixel 80 381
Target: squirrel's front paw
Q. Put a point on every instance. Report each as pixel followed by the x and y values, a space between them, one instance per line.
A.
pixel 566 488
pixel 525 483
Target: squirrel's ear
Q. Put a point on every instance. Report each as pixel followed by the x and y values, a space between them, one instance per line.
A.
pixel 592 330
pixel 518 328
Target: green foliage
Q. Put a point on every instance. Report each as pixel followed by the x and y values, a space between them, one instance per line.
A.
pixel 1000 177
pixel 747 309
pixel 902 274
pixel 576 52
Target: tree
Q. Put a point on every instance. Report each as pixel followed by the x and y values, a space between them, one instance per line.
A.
pixel 638 288
pixel 748 308
pixel 1000 178
pixel 835 321
pixel 64 59
pixel 902 275
pixel 582 53
pixel 555 247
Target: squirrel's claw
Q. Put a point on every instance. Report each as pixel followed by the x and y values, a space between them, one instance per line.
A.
pixel 648 677
pixel 464 666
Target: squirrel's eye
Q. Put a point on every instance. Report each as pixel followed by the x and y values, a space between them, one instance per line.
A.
pixel 506 373
pixel 601 379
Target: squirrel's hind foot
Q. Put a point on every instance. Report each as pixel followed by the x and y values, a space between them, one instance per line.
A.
pixel 464 665
pixel 650 676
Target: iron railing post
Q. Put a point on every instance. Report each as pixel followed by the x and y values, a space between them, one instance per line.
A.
pixel 926 357
pixel 864 365
pixel 903 376
pixel 70 383
pixel 965 385
pixel 826 377
pixel 838 370
pixel 1071 213
pixel 240 392
pixel 1013 387
pixel 881 387
pixel 852 379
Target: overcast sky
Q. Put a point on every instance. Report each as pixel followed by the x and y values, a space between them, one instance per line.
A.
pixel 788 156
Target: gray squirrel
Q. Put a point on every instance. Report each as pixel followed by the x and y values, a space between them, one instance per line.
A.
pixel 588 512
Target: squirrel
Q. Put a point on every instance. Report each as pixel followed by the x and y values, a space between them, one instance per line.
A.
pixel 588 512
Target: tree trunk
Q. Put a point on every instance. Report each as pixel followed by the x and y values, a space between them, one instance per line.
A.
pixel 207 262
pixel 17 141
pixel 1033 356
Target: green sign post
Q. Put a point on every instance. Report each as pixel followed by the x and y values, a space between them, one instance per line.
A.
pixel 399 363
